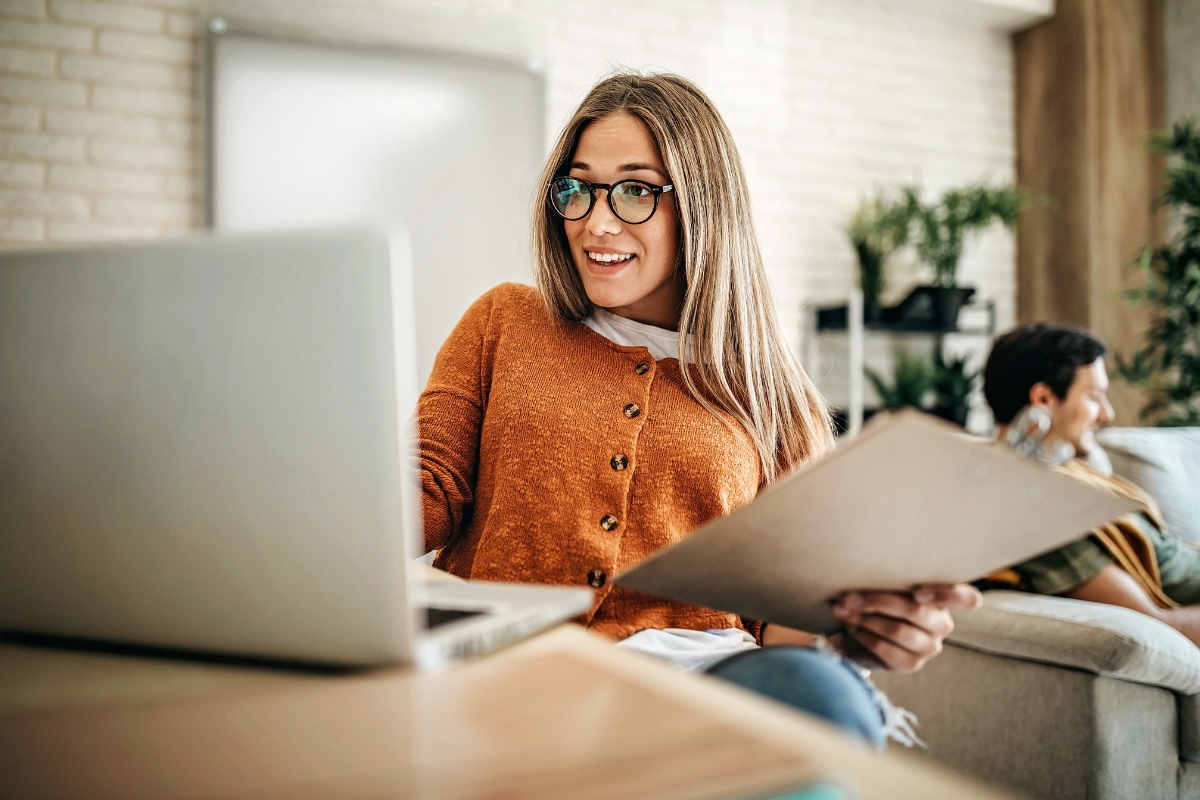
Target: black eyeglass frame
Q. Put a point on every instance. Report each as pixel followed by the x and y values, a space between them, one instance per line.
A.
pixel 658 192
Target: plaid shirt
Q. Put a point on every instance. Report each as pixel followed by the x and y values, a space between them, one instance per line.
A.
pixel 1064 569
pixel 1073 565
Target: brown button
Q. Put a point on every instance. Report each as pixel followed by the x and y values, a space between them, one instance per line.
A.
pixel 619 462
pixel 632 410
pixel 596 578
pixel 608 522
pixel 642 368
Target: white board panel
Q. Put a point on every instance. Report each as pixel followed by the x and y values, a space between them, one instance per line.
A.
pixel 444 150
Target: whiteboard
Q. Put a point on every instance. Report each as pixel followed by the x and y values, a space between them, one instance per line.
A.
pixel 441 150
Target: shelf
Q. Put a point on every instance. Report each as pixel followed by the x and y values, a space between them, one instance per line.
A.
pixel 843 329
pixel 922 312
pixel 887 329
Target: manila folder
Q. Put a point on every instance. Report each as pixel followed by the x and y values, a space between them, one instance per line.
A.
pixel 911 501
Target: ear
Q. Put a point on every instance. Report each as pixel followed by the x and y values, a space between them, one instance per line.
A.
pixel 1040 394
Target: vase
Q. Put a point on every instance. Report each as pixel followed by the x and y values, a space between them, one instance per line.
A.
pixel 949 300
pixel 927 308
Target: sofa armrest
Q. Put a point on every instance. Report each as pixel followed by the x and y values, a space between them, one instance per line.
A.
pixel 1105 640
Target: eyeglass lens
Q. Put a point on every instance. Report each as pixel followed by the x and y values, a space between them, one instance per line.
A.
pixel 632 201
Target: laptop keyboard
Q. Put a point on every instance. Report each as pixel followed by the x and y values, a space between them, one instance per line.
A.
pixel 435 617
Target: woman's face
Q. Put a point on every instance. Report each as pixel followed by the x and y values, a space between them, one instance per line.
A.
pixel 628 269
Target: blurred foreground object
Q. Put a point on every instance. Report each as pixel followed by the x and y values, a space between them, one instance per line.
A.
pixel 562 715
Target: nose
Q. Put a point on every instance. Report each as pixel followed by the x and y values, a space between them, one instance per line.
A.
pixel 602 220
pixel 1106 410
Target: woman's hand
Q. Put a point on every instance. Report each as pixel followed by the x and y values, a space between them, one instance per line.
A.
pixel 899 631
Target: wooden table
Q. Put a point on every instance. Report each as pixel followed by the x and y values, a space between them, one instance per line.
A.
pixel 562 715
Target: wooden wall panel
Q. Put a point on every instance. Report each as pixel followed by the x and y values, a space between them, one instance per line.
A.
pixel 1051 101
pixel 1090 92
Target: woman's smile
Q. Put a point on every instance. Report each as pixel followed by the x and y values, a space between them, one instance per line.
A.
pixel 601 261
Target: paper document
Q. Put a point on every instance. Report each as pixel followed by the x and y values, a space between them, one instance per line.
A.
pixel 911 501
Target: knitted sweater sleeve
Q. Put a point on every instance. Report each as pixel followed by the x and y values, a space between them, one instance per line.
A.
pixel 449 418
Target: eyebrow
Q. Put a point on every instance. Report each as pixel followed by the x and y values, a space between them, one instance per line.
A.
pixel 635 167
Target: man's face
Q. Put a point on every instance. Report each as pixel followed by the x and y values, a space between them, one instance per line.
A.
pixel 1076 417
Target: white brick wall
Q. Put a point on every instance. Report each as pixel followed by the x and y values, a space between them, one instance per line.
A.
pixel 827 99
pixel 92 95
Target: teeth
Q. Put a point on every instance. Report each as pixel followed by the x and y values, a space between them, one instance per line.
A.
pixel 609 257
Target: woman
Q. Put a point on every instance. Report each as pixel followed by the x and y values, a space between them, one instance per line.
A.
pixel 641 390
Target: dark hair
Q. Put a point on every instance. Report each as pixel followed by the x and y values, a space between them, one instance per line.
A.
pixel 1039 352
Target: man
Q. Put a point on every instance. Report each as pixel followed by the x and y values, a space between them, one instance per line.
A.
pixel 1133 562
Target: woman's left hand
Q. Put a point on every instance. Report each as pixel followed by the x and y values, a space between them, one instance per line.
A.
pixel 900 631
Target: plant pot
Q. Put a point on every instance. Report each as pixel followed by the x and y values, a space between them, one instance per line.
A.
pixel 956 414
pixel 948 301
pixel 928 308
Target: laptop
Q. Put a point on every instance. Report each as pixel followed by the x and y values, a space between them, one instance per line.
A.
pixel 206 447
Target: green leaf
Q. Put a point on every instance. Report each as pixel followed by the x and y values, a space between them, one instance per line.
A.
pixel 942 228
pixel 878 228
pixel 912 380
pixel 1167 363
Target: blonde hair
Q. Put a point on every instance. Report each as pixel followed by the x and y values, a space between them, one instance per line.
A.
pixel 740 362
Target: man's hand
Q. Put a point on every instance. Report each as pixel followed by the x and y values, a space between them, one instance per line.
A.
pixel 896 631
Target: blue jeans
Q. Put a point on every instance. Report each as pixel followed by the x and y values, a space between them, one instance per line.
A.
pixel 820 684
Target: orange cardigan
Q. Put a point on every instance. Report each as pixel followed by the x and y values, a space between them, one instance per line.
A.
pixel 552 455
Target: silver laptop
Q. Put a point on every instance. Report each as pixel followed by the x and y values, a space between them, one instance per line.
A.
pixel 204 446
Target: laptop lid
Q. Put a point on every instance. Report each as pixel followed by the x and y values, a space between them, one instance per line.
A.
pixel 202 445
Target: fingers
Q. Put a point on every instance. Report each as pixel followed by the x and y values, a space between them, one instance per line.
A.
pixel 957 596
pixel 900 607
pixel 962 596
pixel 892 655
pixel 903 630
pixel 901 633
pixel 895 629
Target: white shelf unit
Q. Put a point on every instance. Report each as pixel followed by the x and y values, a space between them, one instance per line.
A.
pixel 835 358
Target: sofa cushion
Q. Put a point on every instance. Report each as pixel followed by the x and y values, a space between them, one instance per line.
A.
pixel 1106 640
pixel 1166 463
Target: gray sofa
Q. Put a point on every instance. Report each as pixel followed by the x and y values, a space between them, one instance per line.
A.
pixel 1057 698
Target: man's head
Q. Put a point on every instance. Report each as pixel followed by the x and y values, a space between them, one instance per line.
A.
pixel 1056 366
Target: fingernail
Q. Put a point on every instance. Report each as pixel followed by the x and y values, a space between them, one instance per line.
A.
pixel 840 612
pixel 852 601
pixel 924 596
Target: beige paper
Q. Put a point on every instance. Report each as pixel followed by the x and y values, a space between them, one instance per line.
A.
pixel 911 501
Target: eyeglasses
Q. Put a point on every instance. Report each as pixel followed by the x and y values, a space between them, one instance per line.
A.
pixel 631 201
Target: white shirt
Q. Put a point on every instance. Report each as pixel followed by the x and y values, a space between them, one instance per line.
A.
pixel 694 651
pixel 661 342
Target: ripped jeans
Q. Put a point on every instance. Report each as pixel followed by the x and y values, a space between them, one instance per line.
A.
pixel 822 684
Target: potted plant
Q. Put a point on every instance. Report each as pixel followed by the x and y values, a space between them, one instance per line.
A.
pixel 912 381
pixel 878 228
pixel 952 385
pixel 1167 364
pixel 942 229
